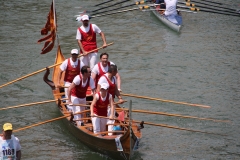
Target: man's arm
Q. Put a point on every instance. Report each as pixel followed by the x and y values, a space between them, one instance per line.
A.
pixel 103 39
pixel 98 88
pixel 81 47
pixel 69 92
pixel 118 81
pixel 93 76
pixel 92 105
pixel 19 155
pixel 117 93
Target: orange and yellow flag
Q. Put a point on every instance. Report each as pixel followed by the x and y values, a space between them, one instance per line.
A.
pixel 50 26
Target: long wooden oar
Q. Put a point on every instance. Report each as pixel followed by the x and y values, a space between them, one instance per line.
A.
pixel 89 105
pixel 209 4
pixel 40 123
pixel 203 10
pixel 102 3
pixel 41 70
pixel 47 121
pixel 96 49
pixel 213 2
pixel 181 10
pixel 30 104
pixel 165 100
pixel 28 75
pixel 136 3
pixel 126 10
pixel 110 5
pixel 175 127
pixel 175 115
pixel 214 9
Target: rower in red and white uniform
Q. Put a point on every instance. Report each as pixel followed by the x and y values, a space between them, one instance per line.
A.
pixel 86 38
pixel 71 67
pixel 102 67
pixel 99 107
pixel 110 79
pixel 77 92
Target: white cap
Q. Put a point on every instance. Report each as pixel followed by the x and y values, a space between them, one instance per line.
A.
pixel 74 51
pixel 104 86
pixel 85 17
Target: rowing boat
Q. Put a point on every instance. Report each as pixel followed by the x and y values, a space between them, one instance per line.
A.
pixel 165 21
pixel 119 145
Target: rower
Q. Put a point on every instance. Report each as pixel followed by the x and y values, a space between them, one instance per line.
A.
pixel 77 92
pixel 99 107
pixel 72 67
pixel 171 12
pixel 86 38
pixel 102 67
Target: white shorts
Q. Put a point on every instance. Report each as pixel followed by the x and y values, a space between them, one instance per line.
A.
pixel 99 124
pixel 89 60
pixel 75 109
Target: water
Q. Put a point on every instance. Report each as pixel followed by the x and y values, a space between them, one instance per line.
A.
pixel 199 65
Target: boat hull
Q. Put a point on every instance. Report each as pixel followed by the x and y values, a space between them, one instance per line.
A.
pixel 102 145
pixel 129 137
pixel 168 23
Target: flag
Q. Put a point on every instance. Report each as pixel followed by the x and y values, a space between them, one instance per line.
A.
pixel 50 26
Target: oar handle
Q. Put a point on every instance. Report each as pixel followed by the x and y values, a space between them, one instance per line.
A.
pixel 105 117
pixel 90 105
pixel 96 49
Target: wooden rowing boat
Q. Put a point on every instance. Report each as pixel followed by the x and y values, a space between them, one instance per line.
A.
pixel 165 21
pixel 109 145
pixel 119 145
pixel 129 137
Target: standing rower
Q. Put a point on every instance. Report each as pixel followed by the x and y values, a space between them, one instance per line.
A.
pixel 86 38
pixel 72 67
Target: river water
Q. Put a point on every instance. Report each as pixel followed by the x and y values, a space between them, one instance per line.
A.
pixel 199 65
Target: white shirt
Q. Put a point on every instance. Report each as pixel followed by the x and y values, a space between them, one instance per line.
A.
pixel 77 80
pixel 104 69
pixel 95 28
pixel 104 80
pixel 103 99
pixel 63 66
pixel 9 144
pixel 171 7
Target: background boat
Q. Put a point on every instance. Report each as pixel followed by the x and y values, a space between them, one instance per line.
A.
pixel 168 23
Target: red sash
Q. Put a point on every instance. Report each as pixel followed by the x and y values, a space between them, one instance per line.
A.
pixel 100 73
pixel 101 106
pixel 71 72
pixel 88 40
pixel 78 90
pixel 112 86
